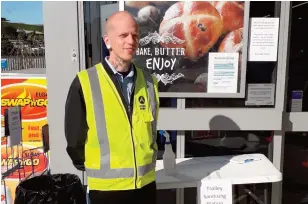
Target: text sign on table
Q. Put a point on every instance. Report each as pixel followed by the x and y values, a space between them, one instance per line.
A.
pixel 215 192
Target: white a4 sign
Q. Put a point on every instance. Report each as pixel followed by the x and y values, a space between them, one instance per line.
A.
pixel 216 191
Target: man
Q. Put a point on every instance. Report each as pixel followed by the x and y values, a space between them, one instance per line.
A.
pixel 110 121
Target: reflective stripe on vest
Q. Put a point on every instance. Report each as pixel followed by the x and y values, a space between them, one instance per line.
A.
pixel 105 171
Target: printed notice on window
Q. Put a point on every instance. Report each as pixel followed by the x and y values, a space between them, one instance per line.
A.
pixel 260 94
pixel 223 72
pixel 263 39
pixel 215 191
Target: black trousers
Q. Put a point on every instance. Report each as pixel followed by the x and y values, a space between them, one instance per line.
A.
pixel 145 195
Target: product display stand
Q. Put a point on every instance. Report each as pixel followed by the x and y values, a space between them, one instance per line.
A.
pixel 16 158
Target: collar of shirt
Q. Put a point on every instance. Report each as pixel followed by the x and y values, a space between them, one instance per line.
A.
pixel 130 74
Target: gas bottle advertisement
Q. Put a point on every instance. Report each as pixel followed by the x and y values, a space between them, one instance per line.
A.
pixel 30 93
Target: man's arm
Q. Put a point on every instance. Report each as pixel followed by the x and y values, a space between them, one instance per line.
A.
pixel 76 125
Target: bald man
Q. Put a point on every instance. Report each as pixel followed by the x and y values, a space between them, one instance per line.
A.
pixel 110 121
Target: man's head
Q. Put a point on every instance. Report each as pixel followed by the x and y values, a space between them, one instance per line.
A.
pixel 121 35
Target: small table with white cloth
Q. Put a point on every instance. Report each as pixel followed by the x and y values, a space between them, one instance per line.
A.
pixel 190 171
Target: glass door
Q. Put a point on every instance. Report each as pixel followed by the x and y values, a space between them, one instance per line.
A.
pixel 95 16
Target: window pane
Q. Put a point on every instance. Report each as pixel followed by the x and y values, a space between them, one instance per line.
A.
pixel 298 54
pixel 179 55
pixel 257 72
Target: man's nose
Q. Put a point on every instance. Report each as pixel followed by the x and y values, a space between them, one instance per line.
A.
pixel 130 39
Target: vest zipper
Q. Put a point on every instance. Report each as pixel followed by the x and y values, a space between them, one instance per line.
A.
pixel 131 129
pixel 134 150
pixel 129 115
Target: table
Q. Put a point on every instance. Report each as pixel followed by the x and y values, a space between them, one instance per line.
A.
pixel 190 171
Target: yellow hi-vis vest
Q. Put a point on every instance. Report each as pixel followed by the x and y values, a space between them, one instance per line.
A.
pixel 120 153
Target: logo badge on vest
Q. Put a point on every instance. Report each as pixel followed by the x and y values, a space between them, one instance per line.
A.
pixel 141 100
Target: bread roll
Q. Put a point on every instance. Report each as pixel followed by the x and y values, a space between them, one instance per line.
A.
pixel 233 42
pixel 148 14
pixel 198 24
pixel 232 14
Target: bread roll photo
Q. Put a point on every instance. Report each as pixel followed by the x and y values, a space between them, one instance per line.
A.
pixel 197 23
pixel 232 13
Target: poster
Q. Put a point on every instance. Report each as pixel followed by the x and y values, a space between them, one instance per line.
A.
pixel 177 37
pixel 31 94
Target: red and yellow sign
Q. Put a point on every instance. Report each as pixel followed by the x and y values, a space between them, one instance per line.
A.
pixel 31 95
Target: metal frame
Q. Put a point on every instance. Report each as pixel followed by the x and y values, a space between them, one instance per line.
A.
pixel 282 81
pixel 82 56
pixel 180 142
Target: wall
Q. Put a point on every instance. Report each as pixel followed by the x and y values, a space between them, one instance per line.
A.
pixel 60 72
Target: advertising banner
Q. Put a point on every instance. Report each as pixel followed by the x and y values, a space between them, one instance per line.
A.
pixel 178 38
pixel 30 93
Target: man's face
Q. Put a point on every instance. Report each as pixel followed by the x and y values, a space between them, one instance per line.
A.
pixel 123 38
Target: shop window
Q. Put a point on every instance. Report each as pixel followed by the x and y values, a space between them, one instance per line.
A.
pixel 298 54
pixel 22 38
pixel 185 73
pixel 220 143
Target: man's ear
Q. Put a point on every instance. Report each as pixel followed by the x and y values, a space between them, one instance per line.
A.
pixel 107 41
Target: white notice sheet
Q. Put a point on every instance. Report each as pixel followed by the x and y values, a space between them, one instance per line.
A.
pixel 223 72
pixel 263 39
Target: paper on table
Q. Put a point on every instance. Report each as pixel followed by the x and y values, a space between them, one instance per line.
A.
pixel 245 158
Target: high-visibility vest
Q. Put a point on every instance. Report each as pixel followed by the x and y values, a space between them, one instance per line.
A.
pixel 121 149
